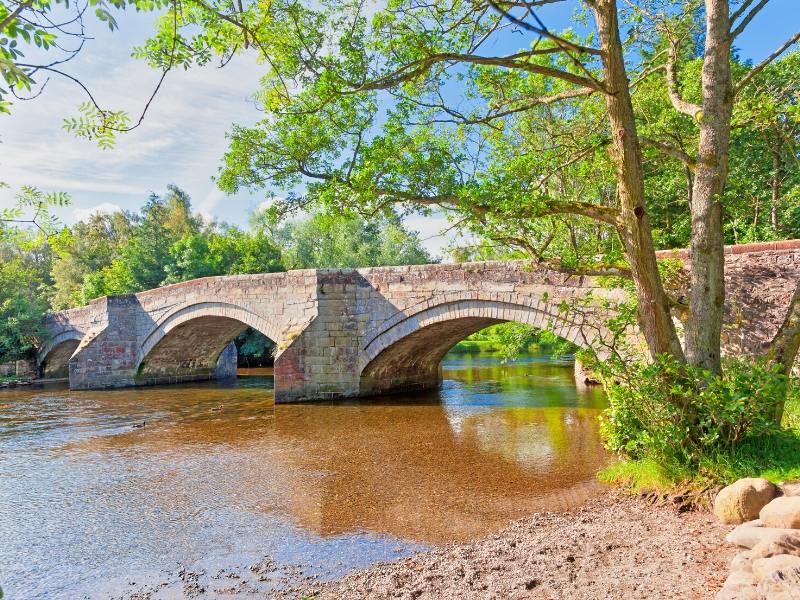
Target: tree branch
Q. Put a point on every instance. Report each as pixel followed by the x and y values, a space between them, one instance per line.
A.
pixel 541 30
pixel 416 68
pixel 681 105
pixel 747 18
pixel 558 266
pixel 670 150
pixel 565 45
pixel 597 212
pixel 14 14
pixel 763 64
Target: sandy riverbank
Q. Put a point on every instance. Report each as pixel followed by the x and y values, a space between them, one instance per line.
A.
pixel 614 547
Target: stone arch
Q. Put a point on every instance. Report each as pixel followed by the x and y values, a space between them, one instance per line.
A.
pixel 53 359
pixel 407 352
pixel 188 343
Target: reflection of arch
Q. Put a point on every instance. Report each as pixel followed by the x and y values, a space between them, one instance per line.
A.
pixel 53 358
pixel 407 353
pixel 188 342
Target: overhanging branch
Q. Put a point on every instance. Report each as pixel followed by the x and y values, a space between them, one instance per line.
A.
pixel 763 64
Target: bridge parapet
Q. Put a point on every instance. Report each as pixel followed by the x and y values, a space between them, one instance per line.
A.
pixel 352 332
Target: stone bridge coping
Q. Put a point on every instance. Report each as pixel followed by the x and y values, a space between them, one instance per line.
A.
pixel 737 249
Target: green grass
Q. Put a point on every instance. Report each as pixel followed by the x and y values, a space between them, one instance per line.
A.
pixel 774 457
pixel 475 346
pixel 640 476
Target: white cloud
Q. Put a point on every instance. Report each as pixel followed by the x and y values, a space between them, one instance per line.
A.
pixel 432 231
pixel 105 208
pixel 180 141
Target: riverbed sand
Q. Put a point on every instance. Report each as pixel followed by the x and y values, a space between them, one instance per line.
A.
pixel 614 547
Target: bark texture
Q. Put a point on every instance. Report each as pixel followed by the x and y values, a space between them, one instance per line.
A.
pixel 707 294
pixel 654 315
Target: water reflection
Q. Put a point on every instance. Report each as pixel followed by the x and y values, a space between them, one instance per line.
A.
pixel 219 474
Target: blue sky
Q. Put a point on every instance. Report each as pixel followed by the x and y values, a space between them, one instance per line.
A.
pixel 183 136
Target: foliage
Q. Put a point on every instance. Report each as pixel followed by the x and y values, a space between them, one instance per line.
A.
pixel 691 423
pixel 38 40
pixel 25 262
pixel 86 248
pixel 323 241
pixel 512 339
pixel 21 310
pixel 228 252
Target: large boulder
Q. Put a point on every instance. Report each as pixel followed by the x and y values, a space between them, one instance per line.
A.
pixel 748 536
pixel 783 544
pixel 791 488
pixel 740 584
pixel 762 567
pixel 742 501
pixel 782 512
pixel 783 584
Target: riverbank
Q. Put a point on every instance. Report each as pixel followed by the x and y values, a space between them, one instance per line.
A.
pixel 615 546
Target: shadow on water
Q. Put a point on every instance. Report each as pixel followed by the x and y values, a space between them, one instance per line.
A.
pixel 220 476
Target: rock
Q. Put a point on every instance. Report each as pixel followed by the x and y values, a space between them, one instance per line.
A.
pixel 734 590
pixel 742 563
pixel 747 536
pixel 765 566
pixel 790 488
pixel 741 501
pixel 783 584
pixel 782 544
pixel 782 512
pixel 740 584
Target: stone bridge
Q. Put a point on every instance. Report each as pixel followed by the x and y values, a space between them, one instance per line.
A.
pixel 359 332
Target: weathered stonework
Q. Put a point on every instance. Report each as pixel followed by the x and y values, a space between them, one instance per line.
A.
pixel 354 332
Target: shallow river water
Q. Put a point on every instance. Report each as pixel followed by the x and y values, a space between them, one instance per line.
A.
pixel 222 491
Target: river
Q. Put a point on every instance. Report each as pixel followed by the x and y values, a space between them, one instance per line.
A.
pixel 206 490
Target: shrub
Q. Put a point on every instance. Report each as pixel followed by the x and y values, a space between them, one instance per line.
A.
pixel 687 419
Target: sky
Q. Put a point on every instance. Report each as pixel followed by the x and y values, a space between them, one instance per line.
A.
pixel 183 136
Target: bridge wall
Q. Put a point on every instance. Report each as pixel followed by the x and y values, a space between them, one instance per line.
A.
pixel 344 333
pixel 178 333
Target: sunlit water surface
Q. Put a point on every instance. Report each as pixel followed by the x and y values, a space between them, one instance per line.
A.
pixel 223 481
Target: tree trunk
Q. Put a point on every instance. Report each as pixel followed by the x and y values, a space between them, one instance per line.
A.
pixel 707 294
pixel 776 181
pixel 655 320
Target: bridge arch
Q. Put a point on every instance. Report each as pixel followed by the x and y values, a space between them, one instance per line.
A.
pixel 191 341
pixel 53 358
pixel 406 354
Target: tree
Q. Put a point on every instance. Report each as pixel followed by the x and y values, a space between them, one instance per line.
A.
pixel 25 262
pixel 88 247
pixel 325 241
pixel 230 252
pixel 409 107
pixel 147 250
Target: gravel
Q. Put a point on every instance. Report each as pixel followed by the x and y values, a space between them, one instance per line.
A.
pixel 613 547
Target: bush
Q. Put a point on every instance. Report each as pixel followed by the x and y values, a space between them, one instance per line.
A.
pixel 689 421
